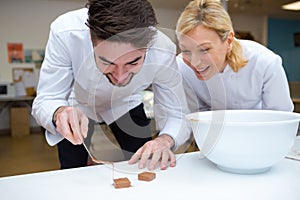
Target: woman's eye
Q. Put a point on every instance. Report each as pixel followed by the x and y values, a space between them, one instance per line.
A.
pixel 204 50
pixel 185 52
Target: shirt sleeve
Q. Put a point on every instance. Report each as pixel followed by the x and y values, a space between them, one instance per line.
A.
pixel 55 82
pixel 170 106
pixel 275 91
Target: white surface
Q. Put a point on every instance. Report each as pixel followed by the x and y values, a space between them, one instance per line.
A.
pixel 245 141
pixel 192 178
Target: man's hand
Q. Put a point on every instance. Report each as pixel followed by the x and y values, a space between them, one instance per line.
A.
pixel 71 123
pixel 158 149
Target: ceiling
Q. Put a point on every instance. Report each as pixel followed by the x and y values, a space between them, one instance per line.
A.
pixel 270 8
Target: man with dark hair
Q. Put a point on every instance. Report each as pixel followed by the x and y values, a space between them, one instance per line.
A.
pixel 98 60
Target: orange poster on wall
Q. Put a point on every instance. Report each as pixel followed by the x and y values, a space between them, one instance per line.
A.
pixel 15 52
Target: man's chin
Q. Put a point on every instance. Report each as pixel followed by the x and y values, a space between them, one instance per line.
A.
pixel 118 84
pixel 122 84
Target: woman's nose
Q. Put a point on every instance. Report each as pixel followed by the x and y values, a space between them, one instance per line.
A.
pixel 195 60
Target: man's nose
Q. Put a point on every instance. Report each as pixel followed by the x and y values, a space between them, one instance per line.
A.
pixel 119 72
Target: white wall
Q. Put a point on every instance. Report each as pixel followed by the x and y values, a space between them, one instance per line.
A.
pixel 27 21
pixel 167 19
pixel 257 25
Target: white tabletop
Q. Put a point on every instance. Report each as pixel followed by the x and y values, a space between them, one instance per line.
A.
pixel 192 178
pixel 16 98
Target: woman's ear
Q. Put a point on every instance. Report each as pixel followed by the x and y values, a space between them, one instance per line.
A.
pixel 230 39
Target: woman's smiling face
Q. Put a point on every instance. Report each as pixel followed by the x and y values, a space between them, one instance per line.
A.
pixel 204 51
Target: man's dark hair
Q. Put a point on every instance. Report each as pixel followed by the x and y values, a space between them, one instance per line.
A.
pixel 126 21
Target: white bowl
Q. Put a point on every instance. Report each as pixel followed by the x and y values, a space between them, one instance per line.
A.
pixel 244 141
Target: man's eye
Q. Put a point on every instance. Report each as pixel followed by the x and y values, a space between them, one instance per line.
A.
pixel 132 64
pixel 105 64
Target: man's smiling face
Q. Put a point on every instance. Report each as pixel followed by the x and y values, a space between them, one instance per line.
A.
pixel 119 62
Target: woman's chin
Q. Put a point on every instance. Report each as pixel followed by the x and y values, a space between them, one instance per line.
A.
pixel 203 76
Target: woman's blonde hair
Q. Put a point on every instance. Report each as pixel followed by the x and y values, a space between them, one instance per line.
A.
pixel 211 14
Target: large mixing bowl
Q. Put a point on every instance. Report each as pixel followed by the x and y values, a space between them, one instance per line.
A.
pixel 244 141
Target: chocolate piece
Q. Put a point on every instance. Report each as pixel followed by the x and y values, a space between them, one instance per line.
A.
pixel 121 183
pixel 146 176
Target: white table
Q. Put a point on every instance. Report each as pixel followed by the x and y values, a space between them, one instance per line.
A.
pixel 192 178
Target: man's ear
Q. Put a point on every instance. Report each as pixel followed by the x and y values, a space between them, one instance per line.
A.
pixel 93 38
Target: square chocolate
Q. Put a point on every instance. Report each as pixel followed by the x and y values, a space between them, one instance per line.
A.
pixel 146 176
pixel 122 183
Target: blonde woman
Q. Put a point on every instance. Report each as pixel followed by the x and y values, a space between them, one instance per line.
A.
pixel 222 72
